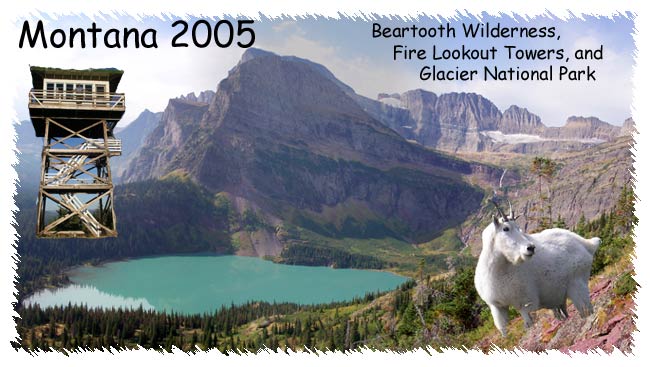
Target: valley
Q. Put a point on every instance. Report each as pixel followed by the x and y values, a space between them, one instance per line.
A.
pixel 287 163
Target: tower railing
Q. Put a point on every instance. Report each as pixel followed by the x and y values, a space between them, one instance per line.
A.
pixel 76 100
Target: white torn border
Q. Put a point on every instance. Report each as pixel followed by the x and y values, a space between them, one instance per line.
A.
pixel 363 9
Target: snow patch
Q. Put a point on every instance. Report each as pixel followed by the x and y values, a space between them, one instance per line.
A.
pixel 500 137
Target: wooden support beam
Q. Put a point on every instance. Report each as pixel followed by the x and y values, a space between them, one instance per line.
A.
pixel 89 173
pixel 73 210
pixel 78 167
pixel 76 133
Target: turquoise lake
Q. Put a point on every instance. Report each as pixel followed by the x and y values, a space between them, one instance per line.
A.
pixel 197 284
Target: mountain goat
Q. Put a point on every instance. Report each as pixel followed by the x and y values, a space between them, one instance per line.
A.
pixel 533 271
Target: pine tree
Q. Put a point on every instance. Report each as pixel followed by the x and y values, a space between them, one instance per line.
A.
pixel 66 338
pixel 625 217
pixel 143 339
pixel 194 341
pixel 581 226
pixel 545 170
pixel 51 329
pixel 408 325
pixel 332 344
pixel 559 222
pixel 32 336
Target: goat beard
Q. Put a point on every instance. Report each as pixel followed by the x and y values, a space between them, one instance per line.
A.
pixel 517 259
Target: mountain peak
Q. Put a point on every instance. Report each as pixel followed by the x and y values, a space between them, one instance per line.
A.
pixel 518 120
pixel 584 128
pixel 588 121
pixel 282 133
pixel 254 53
pixel 516 109
pixel 629 127
pixel 205 97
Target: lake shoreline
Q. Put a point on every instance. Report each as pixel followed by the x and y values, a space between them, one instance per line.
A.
pixel 63 279
pixel 215 254
pixel 95 263
pixel 230 279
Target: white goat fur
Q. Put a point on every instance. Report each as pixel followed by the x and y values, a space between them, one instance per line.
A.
pixel 510 274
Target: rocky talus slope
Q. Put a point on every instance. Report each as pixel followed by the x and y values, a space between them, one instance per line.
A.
pixel 611 327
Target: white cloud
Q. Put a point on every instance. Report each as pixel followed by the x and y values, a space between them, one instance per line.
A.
pixel 152 76
pixel 359 72
pixel 608 98
pixel 285 25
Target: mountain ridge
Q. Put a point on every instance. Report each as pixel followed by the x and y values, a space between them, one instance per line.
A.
pixel 133 136
pixel 461 122
pixel 282 135
pixel 264 141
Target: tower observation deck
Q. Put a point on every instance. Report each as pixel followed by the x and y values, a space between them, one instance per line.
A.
pixel 75 111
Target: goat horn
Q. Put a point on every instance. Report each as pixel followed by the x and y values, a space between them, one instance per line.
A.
pixel 512 212
pixel 503 216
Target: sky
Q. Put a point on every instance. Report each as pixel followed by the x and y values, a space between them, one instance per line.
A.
pixel 347 48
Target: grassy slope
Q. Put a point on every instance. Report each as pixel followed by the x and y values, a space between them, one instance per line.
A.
pixel 405 257
pixel 610 326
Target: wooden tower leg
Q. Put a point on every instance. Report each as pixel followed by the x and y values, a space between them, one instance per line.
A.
pixel 40 216
pixel 107 171
pixel 73 168
pixel 78 142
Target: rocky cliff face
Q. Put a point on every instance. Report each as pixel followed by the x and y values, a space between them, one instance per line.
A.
pixel 517 120
pixel 449 122
pixel 390 114
pixel 204 97
pixel 282 136
pixel 165 142
pixel 133 137
pixel 588 182
pixel 285 136
pixel 460 117
pixel 584 128
pixel 628 128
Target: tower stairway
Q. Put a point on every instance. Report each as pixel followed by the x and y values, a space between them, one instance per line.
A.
pixel 67 172
pixel 90 222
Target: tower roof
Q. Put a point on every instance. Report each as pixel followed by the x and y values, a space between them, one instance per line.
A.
pixel 112 75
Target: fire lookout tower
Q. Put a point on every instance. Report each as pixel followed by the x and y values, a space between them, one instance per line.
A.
pixel 75 111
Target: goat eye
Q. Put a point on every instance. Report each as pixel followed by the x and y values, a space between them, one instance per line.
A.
pixel 506 229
